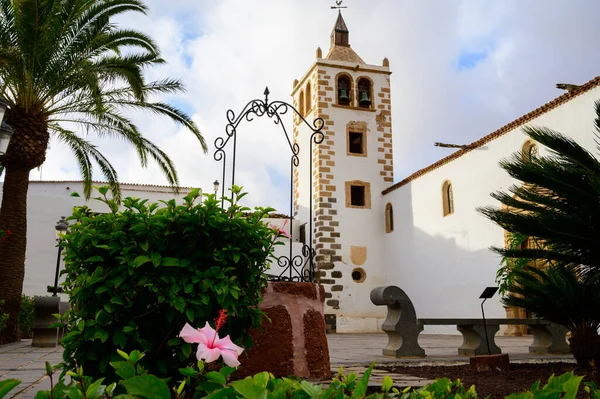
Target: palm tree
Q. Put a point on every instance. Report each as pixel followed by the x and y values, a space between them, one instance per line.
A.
pixel 557 205
pixel 67 72
pixel 559 295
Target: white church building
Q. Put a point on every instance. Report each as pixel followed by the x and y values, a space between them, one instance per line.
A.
pixel 422 233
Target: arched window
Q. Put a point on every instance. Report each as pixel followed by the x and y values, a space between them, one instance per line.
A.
pixel 301 103
pixel 344 90
pixel 365 93
pixel 448 198
pixel 308 98
pixel 389 218
pixel 529 151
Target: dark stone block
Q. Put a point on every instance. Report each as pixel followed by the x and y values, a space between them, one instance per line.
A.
pixel 317 350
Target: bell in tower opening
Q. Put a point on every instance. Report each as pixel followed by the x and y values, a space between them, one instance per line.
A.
pixel 343 90
pixel 364 93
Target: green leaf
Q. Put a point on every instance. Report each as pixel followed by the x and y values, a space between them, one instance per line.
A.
pixel 96 258
pixel 95 389
pixel 156 258
pixel 124 370
pixel 314 391
pixel 188 372
pixel 102 335
pixel 42 395
pixel 119 339
pixel 7 385
pixel 186 349
pixel 216 377
pixel 140 260
pixel 248 389
pixel 147 386
pixel 170 262
pixel 387 383
pixel 361 388
pixel 189 312
pixel 144 246
pixel 123 354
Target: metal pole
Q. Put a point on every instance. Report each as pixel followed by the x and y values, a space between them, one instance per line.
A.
pixel 487 341
pixel 57 269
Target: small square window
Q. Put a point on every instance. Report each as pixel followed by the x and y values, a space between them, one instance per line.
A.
pixel 356 143
pixel 357 195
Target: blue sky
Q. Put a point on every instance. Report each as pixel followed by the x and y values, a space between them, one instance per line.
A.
pixel 461 69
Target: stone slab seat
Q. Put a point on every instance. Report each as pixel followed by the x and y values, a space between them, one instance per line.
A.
pixel 403 329
pixel 548 338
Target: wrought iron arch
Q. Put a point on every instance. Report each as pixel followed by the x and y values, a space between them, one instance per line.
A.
pixel 292 268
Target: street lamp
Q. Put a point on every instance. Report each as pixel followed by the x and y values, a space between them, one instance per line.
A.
pixel 6 131
pixel 62 228
pixel 216 185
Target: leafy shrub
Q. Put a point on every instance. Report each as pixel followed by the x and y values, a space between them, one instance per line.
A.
pixel 26 316
pixel 196 382
pixel 135 277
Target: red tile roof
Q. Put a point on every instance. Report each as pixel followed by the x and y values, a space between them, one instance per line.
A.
pixel 500 132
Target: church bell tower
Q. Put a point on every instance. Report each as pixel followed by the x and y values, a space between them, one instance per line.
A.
pixel 351 168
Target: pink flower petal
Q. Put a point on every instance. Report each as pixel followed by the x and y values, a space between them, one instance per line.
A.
pixel 230 358
pixel 191 335
pixel 226 344
pixel 207 354
pixel 209 334
pixel 229 351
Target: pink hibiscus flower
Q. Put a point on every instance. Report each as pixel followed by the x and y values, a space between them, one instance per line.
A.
pixel 281 230
pixel 210 346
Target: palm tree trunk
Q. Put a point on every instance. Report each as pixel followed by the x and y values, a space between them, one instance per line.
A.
pixel 13 217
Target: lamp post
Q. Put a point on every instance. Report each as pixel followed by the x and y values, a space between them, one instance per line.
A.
pixel 216 185
pixel 62 228
pixel 6 131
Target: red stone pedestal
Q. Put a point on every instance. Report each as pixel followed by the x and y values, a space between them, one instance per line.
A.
pixel 490 362
pixel 294 342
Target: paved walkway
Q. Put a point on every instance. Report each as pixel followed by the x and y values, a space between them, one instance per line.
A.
pixel 351 351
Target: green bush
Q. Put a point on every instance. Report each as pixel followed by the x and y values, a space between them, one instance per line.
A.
pixel 136 276
pixel 26 317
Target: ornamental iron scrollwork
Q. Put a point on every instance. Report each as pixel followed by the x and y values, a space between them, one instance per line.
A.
pixel 296 268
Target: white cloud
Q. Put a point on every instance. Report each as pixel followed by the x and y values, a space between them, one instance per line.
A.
pixel 227 51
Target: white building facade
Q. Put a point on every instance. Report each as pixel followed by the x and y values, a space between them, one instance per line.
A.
pixel 424 233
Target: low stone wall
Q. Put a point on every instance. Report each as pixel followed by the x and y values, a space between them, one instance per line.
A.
pixel 294 341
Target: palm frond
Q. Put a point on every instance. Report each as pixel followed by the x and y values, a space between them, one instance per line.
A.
pixel 84 153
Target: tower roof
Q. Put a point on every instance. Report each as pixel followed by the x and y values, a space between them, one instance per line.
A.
pixel 340 44
pixel 343 53
pixel 340 24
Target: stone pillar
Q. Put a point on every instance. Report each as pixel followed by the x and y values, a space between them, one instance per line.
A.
pixel 294 341
pixel 44 309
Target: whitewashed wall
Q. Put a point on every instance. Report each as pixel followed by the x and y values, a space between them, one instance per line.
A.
pixel 47 202
pixel 444 263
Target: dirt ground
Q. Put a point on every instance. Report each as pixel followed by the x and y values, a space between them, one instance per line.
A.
pixel 496 384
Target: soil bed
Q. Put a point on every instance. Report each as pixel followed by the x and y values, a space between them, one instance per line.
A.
pixel 519 378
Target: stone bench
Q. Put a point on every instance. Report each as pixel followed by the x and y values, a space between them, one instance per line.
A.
pixel 548 338
pixel 403 329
